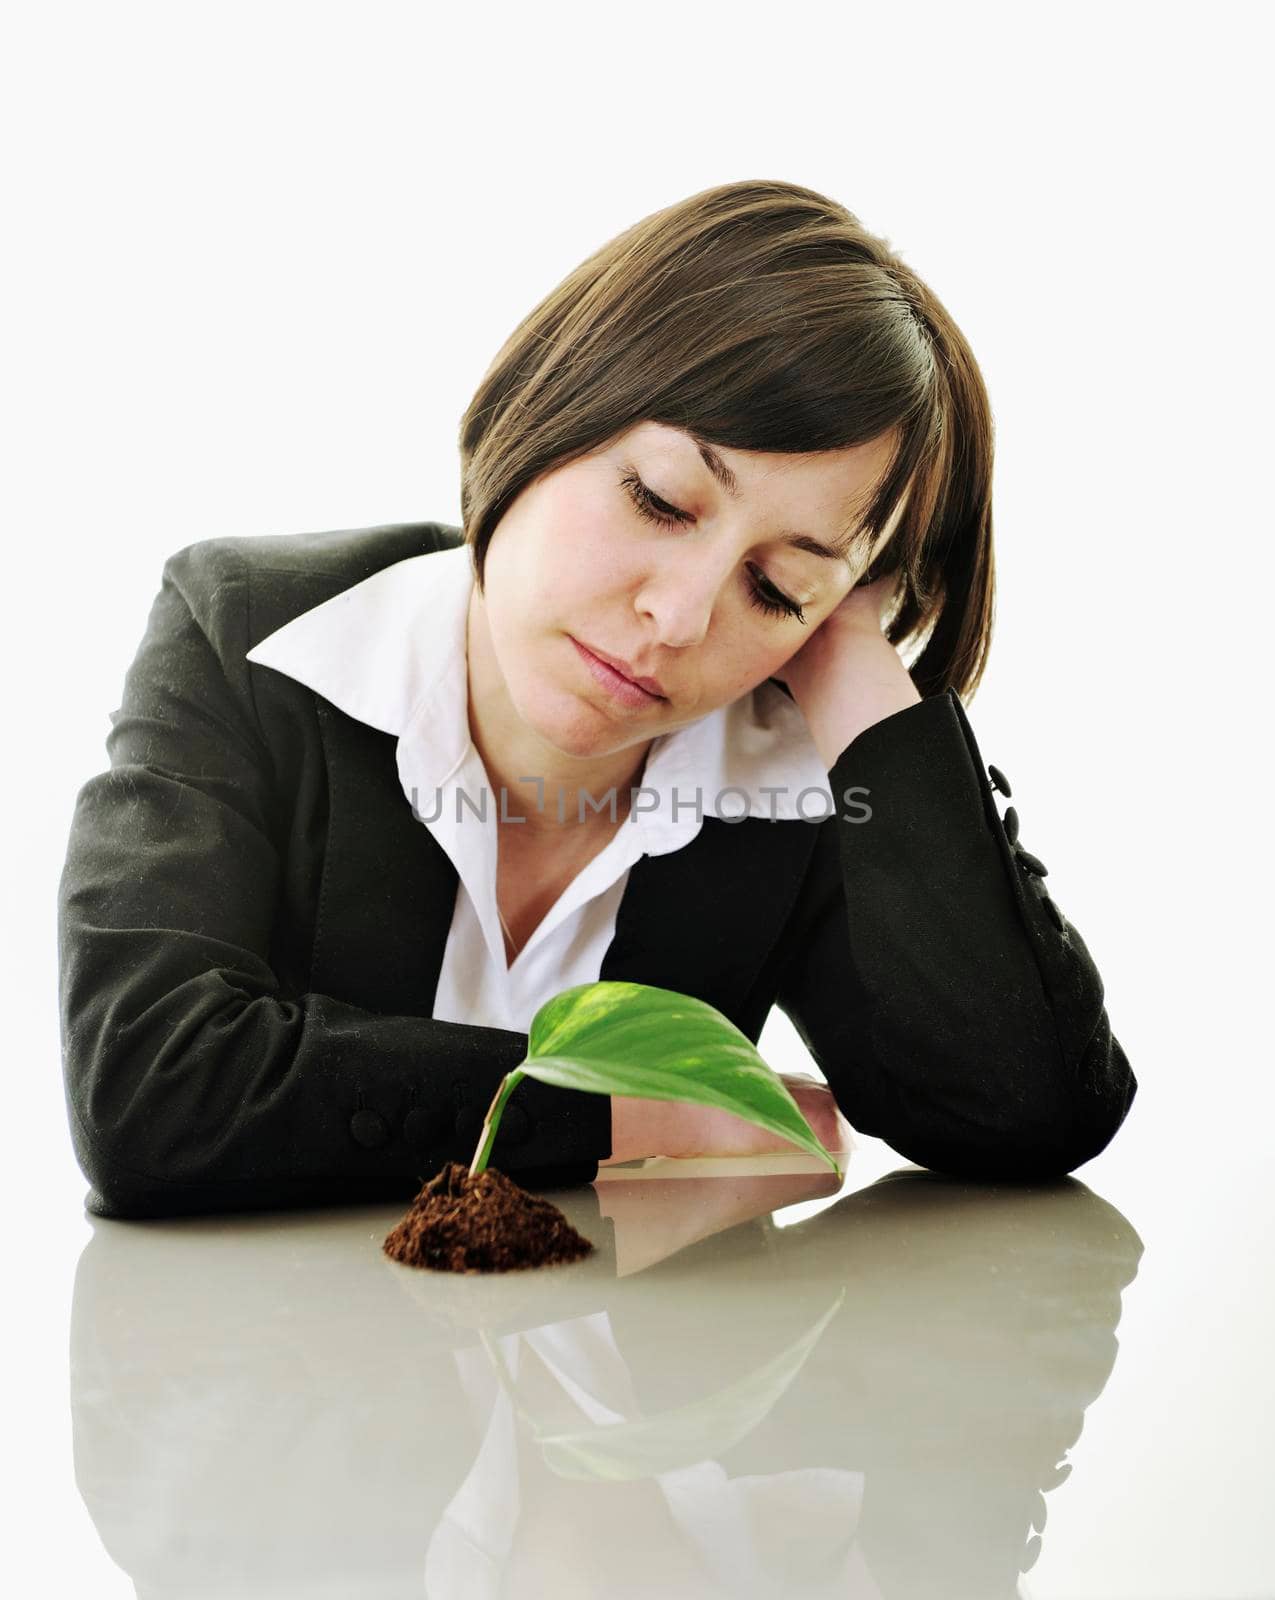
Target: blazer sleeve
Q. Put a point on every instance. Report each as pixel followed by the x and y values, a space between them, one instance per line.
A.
pixel 953 1009
pixel 192 1082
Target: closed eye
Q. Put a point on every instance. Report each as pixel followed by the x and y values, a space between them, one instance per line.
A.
pixel 762 593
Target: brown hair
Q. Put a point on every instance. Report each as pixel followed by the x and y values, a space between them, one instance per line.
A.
pixel 763 316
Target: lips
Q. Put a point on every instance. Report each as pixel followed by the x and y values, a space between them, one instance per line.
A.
pixel 651 685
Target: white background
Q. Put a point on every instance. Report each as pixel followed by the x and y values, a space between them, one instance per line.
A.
pixel 260 255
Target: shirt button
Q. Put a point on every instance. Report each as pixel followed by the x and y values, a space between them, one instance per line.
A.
pixel 1011 824
pixel 1031 862
pixel 367 1127
pixel 999 780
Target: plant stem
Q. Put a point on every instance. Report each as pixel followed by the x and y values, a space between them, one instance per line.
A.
pixel 487 1136
pixel 492 1347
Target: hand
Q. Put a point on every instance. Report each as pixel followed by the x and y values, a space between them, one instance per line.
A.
pixel 860 616
pixel 848 675
pixel 722 1133
pixel 867 605
pixel 656 1218
pixel 680 1128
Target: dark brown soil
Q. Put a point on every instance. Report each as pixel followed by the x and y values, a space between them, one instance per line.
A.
pixel 485 1224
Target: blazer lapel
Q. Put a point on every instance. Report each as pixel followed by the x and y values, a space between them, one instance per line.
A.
pixel 388 889
pixel 700 920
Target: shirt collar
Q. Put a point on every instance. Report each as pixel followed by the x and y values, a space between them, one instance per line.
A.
pixel 390 651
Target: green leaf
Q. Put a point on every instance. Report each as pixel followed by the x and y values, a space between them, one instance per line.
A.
pixel 638 1040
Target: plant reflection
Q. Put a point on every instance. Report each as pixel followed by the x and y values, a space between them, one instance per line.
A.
pixel 871 1402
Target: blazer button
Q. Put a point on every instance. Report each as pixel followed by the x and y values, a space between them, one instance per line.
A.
pixel 1031 862
pixel 1056 916
pixel 367 1127
pixel 999 780
pixel 423 1129
pixel 1010 820
pixel 469 1124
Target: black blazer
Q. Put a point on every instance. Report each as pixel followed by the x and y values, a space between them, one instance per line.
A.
pixel 251 924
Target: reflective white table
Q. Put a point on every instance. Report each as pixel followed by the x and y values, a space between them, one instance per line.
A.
pixel 760 1383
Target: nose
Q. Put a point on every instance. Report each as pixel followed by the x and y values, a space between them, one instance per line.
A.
pixel 681 592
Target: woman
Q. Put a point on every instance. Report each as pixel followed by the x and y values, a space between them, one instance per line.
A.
pixel 376 795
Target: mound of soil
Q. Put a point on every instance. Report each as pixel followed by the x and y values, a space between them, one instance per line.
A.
pixel 483 1224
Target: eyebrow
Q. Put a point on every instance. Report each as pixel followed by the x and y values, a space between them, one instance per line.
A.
pixel 798 541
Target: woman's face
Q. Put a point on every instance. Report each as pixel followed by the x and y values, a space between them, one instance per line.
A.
pixel 700 604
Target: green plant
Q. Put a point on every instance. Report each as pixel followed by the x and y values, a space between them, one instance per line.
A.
pixel 654 1044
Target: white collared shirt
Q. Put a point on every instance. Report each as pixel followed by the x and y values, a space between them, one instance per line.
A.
pixel 391 652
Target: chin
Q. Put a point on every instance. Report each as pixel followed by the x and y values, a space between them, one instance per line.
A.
pixel 569 725
pixel 584 738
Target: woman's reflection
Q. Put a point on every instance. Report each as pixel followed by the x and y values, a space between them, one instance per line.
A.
pixel 871 1402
